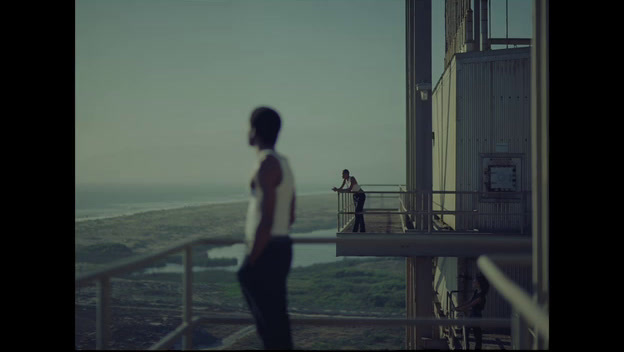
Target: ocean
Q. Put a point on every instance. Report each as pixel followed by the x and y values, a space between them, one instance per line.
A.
pixel 102 201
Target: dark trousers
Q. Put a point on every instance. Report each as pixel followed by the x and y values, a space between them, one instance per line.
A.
pixel 264 288
pixel 358 200
pixel 476 331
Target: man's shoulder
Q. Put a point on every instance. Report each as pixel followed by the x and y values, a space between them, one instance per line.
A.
pixel 270 168
pixel 270 161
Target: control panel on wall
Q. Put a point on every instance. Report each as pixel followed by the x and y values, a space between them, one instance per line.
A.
pixel 501 176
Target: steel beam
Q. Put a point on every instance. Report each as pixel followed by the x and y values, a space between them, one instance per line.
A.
pixel 431 245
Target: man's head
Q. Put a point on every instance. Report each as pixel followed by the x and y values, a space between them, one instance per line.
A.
pixel 481 282
pixel 265 124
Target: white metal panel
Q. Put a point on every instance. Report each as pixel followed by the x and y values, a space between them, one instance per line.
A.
pixel 445 280
pixel 493 106
pixel 444 148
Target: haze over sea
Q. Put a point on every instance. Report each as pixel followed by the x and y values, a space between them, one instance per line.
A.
pixel 96 201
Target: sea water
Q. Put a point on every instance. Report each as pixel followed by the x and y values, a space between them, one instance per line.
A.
pixel 100 201
pixel 110 200
pixel 303 254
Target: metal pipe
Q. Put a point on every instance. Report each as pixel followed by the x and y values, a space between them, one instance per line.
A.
pixel 430 239
pixel 477 25
pixel 485 45
pixel 169 339
pixel 512 41
pixel 430 244
pixel 540 102
pixel 469 33
pixel 363 321
pixel 519 300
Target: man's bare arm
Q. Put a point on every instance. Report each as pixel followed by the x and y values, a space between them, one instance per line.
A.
pixel 342 185
pixel 292 210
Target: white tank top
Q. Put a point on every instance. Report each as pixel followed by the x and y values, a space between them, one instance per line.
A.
pixel 356 187
pixel 284 194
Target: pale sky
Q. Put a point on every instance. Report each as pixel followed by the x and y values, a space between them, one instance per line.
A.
pixel 164 88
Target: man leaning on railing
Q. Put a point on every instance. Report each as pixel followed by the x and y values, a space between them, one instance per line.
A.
pixel 359 197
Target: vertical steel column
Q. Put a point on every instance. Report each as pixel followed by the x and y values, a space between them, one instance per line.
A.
pixel 409 295
pixel 103 316
pixel 485 42
pixel 187 298
pixel 410 343
pixel 477 25
pixel 540 156
pixel 423 297
pixel 419 123
pixel 408 104
pixel 419 156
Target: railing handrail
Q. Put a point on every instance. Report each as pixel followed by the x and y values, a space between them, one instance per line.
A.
pixel 102 278
pixel 125 265
pixel 515 295
pixel 430 207
pixel 438 192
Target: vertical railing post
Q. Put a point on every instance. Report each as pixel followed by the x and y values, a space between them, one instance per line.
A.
pixel 523 211
pixel 351 205
pixel 520 337
pixel 429 211
pixel 187 299
pixel 475 211
pixel 102 325
pixel 338 212
pixel 343 208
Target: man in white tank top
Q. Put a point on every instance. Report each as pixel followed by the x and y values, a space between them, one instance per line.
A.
pixel 269 248
pixel 359 197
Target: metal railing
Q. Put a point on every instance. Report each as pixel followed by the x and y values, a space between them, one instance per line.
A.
pixel 102 278
pixel 346 208
pixel 426 210
pixel 528 318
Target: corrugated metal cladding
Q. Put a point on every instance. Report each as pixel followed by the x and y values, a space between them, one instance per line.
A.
pixel 495 305
pixel 456 274
pixel 493 117
pixel 481 105
pixel 480 109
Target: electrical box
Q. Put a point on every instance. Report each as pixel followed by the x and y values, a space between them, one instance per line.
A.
pixel 501 177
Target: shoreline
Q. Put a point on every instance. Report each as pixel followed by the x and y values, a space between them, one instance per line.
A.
pixel 152 230
pixel 187 205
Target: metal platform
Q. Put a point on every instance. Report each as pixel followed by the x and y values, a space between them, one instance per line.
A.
pixel 385 236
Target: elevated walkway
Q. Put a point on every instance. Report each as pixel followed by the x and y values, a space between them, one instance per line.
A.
pixel 378 223
pixel 389 234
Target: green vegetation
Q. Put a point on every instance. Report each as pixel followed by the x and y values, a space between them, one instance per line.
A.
pixel 375 285
pixel 102 253
pixel 366 286
pixel 152 230
pixel 355 338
